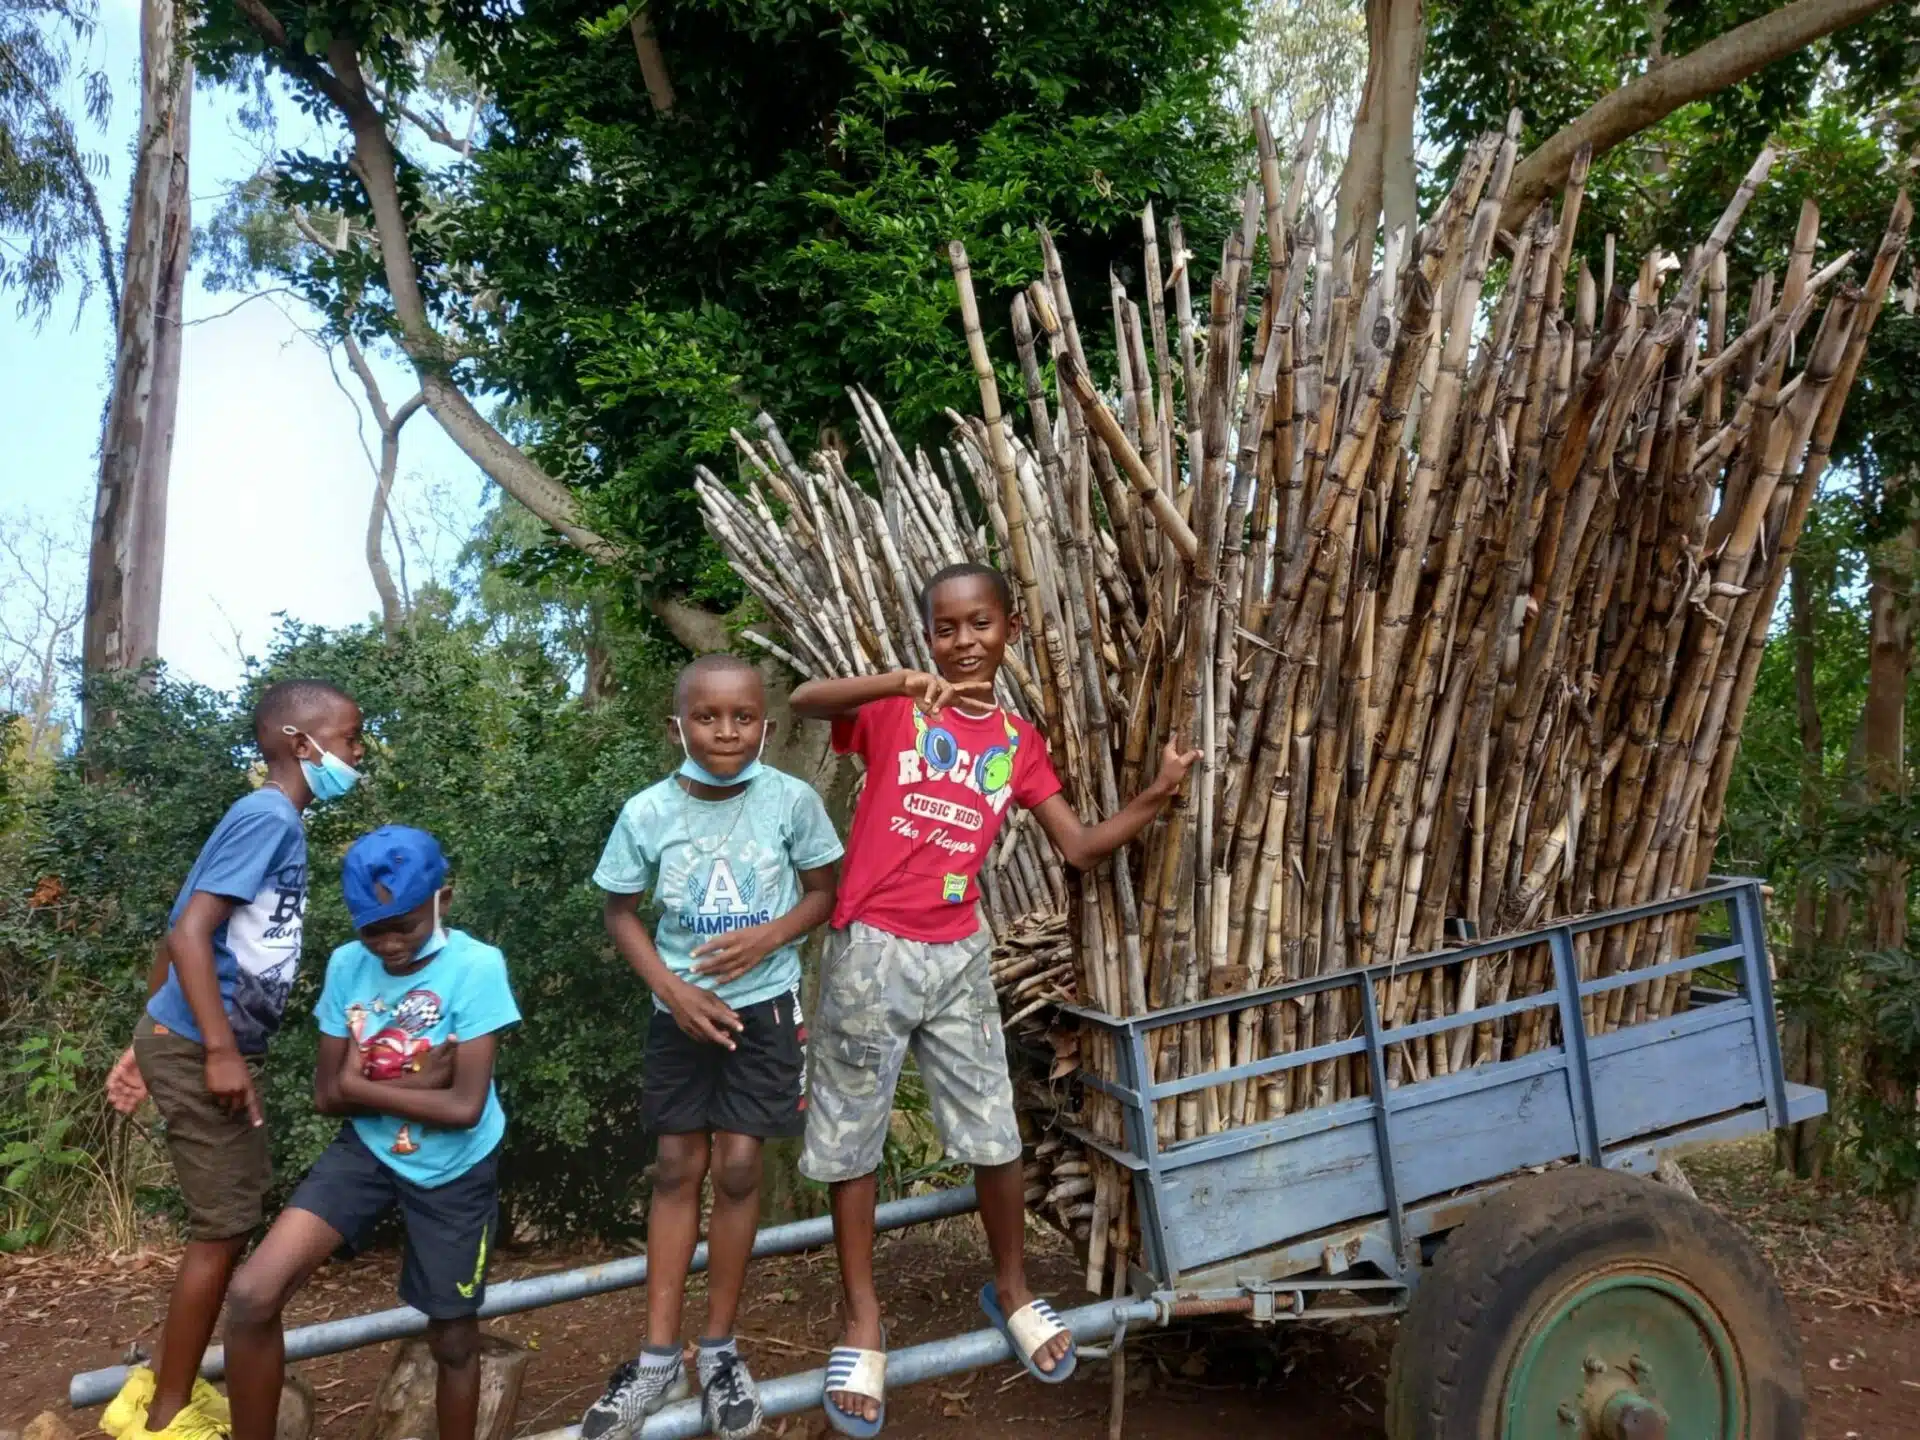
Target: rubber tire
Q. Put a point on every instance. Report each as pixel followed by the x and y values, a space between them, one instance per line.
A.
pixel 1526 1245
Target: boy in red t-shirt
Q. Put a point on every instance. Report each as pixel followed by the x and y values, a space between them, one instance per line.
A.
pixel 907 960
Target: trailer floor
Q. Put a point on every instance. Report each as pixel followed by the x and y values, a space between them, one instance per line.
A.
pixel 1853 1281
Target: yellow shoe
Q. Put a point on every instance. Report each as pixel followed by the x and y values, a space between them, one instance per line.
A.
pixel 211 1403
pixel 192 1423
pixel 129 1407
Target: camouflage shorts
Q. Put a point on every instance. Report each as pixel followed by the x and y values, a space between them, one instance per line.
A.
pixel 879 996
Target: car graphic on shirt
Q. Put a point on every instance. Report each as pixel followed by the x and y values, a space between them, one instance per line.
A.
pixel 398 1045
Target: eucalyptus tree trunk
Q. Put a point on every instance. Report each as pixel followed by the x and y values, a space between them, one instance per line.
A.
pixel 129 527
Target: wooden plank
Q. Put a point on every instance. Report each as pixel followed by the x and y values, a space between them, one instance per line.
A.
pixel 1246 1202
pixel 1675 1079
pixel 1468 1138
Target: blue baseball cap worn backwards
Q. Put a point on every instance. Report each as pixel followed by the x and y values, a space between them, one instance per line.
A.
pixel 396 862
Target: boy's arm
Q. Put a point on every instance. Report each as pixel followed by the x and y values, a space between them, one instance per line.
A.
pixel 190 948
pixel 700 1013
pixel 1084 846
pixel 456 1107
pixel 728 957
pixel 831 699
pixel 436 1072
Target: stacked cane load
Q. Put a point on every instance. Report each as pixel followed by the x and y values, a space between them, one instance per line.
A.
pixel 1462 590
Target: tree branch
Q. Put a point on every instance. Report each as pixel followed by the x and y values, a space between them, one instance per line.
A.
pixel 434 129
pixel 701 631
pixel 1720 62
pixel 376 167
pixel 653 63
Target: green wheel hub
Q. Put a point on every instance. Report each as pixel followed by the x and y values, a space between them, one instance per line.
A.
pixel 1626 1354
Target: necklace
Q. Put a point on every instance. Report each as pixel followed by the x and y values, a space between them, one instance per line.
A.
pixel 707 849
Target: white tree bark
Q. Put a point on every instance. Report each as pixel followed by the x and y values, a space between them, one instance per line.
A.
pixel 129 526
pixel 1379 168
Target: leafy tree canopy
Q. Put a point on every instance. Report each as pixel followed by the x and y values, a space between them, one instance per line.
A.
pixel 636 281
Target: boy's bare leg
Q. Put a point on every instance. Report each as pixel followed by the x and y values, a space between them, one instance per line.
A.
pixel 853 1202
pixel 1003 1210
pixel 731 1227
pixel 456 1398
pixel 193 1309
pixel 256 1347
pixel 673 1229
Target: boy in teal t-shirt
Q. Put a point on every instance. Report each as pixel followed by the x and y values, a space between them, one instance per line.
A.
pixel 409 1017
pixel 742 862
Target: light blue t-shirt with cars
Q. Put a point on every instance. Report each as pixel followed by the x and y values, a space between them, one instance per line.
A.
pixel 715 866
pixel 462 991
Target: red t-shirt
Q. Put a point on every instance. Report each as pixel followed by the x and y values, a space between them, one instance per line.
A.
pixel 937 790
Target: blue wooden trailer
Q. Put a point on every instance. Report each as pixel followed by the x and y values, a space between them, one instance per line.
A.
pixel 1552 1289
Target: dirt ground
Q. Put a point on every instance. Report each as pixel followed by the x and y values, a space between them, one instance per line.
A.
pixel 1853 1280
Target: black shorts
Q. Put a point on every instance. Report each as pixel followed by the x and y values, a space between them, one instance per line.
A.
pixel 757 1088
pixel 450 1227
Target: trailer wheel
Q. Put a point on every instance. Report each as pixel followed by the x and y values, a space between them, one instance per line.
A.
pixel 1588 1305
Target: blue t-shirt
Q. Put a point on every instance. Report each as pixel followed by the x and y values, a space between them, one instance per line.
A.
pixel 720 865
pixel 461 991
pixel 256 857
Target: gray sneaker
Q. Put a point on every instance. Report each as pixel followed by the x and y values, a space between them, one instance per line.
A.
pixel 635 1392
pixel 731 1398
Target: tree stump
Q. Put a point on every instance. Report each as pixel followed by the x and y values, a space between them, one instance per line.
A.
pixel 296 1409
pixel 403 1409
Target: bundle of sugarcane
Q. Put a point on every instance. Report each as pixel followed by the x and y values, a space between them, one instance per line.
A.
pixel 1033 970
pixel 1462 593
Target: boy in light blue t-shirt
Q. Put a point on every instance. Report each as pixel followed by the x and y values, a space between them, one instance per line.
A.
pixel 409 1017
pixel 742 862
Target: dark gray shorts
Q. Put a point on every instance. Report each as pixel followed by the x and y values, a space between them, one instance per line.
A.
pixel 450 1227
pixel 759 1087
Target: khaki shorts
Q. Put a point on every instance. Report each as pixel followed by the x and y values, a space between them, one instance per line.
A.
pixel 220 1161
pixel 880 996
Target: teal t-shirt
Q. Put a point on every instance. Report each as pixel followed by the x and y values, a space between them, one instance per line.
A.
pixel 718 865
pixel 461 991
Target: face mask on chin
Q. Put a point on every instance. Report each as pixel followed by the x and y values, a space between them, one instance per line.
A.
pixel 692 769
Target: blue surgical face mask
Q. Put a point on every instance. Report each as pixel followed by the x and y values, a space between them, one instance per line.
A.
pixel 693 770
pixel 329 777
pixel 437 941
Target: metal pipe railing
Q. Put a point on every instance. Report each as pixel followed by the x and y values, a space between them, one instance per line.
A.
pixel 96 1387
pixel 791 1394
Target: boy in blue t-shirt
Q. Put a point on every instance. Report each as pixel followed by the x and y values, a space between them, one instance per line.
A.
pixel 409 1020
pixel 742 862
pixel 215 994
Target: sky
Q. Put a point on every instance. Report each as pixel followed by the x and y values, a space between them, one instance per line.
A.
pixel 268 500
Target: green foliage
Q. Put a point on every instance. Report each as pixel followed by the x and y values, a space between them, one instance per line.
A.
pixel 51 226
pixel 635 284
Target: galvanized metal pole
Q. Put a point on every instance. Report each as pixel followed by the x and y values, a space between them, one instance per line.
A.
pixel 790 1394
pixel 96 1387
